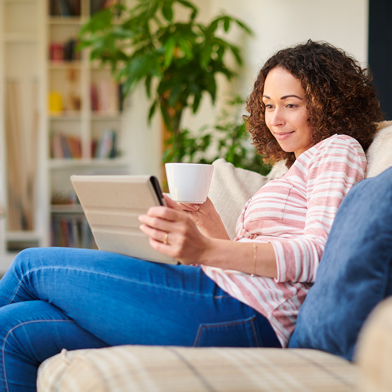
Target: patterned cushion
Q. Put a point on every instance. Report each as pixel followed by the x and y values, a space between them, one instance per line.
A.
pixel 171 369
pixel 231 187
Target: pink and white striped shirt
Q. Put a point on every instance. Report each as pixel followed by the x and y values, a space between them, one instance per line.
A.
pixel 294 214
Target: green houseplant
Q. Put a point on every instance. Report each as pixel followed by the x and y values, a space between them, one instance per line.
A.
pixel 178 59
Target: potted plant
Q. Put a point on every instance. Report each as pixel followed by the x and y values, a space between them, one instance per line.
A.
pixel 178 59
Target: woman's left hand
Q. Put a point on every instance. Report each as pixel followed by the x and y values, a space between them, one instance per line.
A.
pixel 174 233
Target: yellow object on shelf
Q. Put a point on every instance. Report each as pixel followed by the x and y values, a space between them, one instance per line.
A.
pixel 55 103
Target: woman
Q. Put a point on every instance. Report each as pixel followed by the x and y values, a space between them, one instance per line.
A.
pixel 312 105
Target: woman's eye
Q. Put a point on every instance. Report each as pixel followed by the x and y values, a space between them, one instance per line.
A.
pixel 291 106
pixel 268 106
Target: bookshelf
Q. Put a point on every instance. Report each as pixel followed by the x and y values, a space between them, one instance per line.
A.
pixel 69 119
pixel 84 120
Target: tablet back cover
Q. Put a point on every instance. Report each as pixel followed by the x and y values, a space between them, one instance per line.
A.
pixel 112 204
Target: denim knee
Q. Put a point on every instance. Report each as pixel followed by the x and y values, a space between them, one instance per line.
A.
pixel 24 259
pixel 31 332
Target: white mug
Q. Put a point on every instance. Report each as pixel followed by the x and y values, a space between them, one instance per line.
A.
pixel 189 182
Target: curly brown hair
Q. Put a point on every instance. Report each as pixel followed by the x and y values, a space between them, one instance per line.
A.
pixel 340 97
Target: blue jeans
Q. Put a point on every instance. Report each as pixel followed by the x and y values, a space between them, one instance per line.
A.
pixel 55 298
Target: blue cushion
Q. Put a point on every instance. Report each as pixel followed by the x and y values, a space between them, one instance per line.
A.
pixel 354 273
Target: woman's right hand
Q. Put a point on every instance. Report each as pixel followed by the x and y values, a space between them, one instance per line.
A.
pixel 204 215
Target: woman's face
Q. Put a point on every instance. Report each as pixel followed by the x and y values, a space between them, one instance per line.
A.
pixel 286 115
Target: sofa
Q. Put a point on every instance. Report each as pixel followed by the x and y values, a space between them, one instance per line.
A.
pixel 315 368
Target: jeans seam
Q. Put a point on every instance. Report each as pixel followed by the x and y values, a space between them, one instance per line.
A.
pixel 118 277
pixel 17 289
pixel 222 296
pixel 252 322
pixel 17 326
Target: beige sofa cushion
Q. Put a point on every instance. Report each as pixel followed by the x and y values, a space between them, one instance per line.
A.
pixel 379 154
pixel 172 369
pixel 231 187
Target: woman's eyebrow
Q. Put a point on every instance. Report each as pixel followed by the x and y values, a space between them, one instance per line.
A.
pixel 284 97
pixel 291 96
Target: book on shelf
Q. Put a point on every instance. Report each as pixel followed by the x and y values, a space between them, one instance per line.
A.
pixel 71 231
pixel 106 146
pixel 105 97
pixel 64 51
pixel 65 146
pixel 64 8
pixel 70 147
pixel 75 146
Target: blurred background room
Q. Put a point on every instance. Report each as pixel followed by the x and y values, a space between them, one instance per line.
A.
pixel 62 114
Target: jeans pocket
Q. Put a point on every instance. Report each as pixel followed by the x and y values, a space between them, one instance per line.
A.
pixel 236 333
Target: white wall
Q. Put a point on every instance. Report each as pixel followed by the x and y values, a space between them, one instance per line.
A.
pixel 276 24
pixel 281 23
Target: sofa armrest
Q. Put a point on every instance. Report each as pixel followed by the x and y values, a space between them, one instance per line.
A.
pixel 374 350
pixel 179 369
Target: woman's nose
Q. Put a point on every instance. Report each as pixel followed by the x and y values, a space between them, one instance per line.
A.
pixel 277 118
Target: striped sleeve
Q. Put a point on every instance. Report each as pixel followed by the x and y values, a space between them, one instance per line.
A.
pixel 329 174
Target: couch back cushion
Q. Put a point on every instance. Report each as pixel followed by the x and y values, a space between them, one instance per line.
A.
pixel 231 187
pixel 379 154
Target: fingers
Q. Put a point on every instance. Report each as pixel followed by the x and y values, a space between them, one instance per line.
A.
pixel 168 213
pixel 197 207
pixel 169 231
pixel 156 234
pixel 161 247
pixel 180 206
pixel 155 222
pixel 162 218
pixel 190 207
pixel 171 203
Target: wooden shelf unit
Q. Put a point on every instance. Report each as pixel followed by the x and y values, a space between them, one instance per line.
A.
pixel 27 32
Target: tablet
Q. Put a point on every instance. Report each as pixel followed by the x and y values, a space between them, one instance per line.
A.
pixel 112 205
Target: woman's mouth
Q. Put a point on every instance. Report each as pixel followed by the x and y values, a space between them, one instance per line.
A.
pixel 283 135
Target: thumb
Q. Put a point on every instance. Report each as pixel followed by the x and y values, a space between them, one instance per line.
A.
pixel 171 203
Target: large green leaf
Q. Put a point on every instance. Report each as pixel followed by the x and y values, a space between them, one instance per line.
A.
pixel 226 24
pixel 243 26
pixel 196 102
pixel 236 53
pixel 151 112
pixel 205 55
pixel 169 50
pixel 167 10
